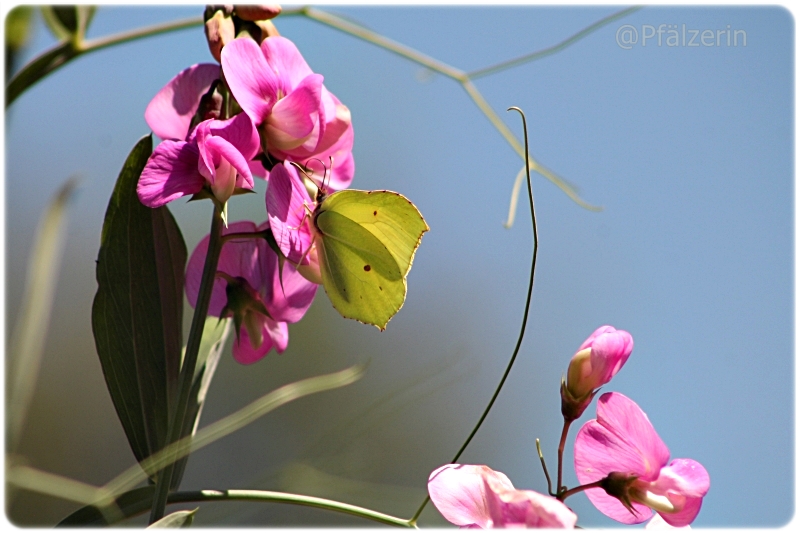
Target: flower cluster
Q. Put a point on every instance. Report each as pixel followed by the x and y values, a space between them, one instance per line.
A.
pixel 620 461
pixel 260 113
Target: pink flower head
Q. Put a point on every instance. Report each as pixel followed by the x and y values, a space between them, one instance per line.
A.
pixel 622 448
pixel 475 496
pixel 215 157
pixel 297 117
pixel 594 364
pixel 169 114
pixel 258 286
pixel 290 208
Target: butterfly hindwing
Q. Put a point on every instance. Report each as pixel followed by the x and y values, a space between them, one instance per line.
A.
pixel 360 276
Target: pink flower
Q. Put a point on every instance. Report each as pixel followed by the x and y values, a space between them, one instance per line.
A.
pixel 622 448
pixel 169 114
pixel 475 496
pixel 597 360
pixel 290 208
pixel 215 157
pixel 257 287
pixel 297 117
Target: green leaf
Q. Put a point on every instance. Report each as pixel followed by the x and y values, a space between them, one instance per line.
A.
pixel 130 503
pixel 27 342
pixel 137 311
pixel 67 22
pixel 215 333
pixel 176 520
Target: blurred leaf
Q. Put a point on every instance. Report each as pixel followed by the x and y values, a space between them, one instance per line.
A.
pixel 215 333
pixel 27 343
pixel 176 520
pixel 67 22
pixel 129 503
pixel 137 311
pixel 18 32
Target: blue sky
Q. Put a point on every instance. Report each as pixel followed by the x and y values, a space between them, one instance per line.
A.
pixel 688 149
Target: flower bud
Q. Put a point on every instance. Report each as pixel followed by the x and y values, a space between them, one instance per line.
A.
pixel 255 13
pixel 597 360
pixel 219 32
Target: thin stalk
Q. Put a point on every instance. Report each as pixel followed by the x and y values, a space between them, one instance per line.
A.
pixel 190 359
pixel 561 444
pixel 282 497
pixel 593 485
pixel 64 52
pixel 539 54
pixel 544 467
pixel 524 318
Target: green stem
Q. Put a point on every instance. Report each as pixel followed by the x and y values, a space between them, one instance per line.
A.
pixel 282 497
pixel 524 318
pixel 66 51
pixel 190 360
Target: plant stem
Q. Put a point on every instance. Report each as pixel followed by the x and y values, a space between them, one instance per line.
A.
pixel 567 493
pixel 561 444
pixel 190 360
pixel 282 497
pixel 66 51
pixel 524 317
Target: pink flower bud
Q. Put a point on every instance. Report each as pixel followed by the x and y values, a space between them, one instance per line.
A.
pixel 255 13
pixel 219 32
pixel 598 359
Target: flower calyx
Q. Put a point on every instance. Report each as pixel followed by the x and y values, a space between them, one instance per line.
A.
pixel 245 306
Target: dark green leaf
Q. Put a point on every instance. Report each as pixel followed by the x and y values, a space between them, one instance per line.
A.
pixel 67 22
pixel 137 311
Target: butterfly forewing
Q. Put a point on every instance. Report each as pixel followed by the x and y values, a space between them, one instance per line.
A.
pixel 389 216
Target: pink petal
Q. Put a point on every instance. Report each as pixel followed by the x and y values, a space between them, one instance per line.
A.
pixel 222 148
pixel 295 119
pixel 237 258
pixel 599 331
pixel 621 415
pixel 685 516
pixel 250 78
pixel 526 508
pixel 288 297
pixel 170 112
pixel 286 61
pixel 258 170
pixel 240 132
pixel 459 492
pixel 288 206
pixel 658 523
pixel 610 351
pixel 171 172
pixel 275 335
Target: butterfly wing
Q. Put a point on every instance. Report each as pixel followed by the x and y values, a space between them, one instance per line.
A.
pixel 359 274
pixel 389 216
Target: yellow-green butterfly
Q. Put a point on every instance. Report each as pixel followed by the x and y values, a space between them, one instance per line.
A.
pixel 366 242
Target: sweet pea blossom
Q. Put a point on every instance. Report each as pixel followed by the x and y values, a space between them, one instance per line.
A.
pixel 290 207
pixel 169 114
pixel 623 451
pixel 215 157
pixel 475 496
pixel 248 286
pixel 297 117
pixel 597 360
